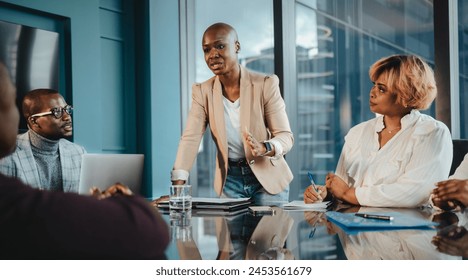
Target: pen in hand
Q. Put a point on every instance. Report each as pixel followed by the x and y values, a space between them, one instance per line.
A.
pixel 313 183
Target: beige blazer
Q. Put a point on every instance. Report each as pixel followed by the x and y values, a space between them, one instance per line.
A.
pixel 262 112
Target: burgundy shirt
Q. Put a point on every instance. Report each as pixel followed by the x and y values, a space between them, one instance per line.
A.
pixel 37 224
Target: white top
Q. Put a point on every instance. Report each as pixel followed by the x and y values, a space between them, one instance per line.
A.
pixel 233 130
pixel 404 171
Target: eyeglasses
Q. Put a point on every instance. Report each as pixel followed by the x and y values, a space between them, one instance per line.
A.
pixel 56 112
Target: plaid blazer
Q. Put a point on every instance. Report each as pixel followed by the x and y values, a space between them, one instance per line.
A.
pixel 22 165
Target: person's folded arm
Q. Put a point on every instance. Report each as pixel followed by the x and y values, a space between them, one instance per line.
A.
pixel 341 190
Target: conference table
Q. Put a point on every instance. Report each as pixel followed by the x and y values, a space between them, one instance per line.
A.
pixel 309 235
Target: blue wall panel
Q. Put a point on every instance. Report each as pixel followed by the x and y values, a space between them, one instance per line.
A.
pixel 92 25
pixel 165 90
pixel 114 113
pixel 113 110
pixel 85 67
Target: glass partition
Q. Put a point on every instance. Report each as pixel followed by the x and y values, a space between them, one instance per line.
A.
pixel 253 21
pixel 336 43
pixel 463 64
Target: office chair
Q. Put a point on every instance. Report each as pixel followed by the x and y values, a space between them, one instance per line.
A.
pixel 460 149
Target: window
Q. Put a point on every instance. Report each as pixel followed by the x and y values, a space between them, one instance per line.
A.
pixel 335 42
pixel 253 21
pixel 463 64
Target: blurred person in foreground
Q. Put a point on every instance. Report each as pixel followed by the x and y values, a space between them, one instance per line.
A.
pixel 394 159
pixel 39 224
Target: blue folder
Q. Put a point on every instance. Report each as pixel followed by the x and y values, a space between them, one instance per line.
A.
pixel 352 224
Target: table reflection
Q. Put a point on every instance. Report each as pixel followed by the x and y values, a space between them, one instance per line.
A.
pixel 314 240
pixel 181 235
pixel 307 235
pixel 452 239
pixel 392 245
pixel 237 238
pixel 267 241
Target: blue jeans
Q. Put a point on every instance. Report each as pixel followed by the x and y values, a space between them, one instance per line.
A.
pixel 241 183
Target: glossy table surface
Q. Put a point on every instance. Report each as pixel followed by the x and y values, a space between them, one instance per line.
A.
pixel 308 235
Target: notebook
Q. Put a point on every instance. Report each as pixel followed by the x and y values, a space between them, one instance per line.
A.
pixel 104 170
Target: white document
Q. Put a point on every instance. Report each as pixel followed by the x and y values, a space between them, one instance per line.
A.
pixel 301 205
pixel 217 200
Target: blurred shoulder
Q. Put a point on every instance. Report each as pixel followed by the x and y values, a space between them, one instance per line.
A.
pixel 258 77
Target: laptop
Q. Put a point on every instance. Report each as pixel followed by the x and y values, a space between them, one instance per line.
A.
pixel 104 170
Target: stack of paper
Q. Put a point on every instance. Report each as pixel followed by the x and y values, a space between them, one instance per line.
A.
pixel 301 205
pixel 214 206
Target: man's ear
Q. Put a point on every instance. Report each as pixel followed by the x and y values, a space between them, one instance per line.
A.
pixel 32 121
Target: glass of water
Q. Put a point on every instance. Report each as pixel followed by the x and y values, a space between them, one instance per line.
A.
pixel 180 200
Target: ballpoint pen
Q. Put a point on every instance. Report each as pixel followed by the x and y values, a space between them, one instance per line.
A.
pixel 312 182
pixel 374 216
pixel 314 226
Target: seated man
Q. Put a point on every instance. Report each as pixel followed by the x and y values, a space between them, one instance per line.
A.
pixel 43 159
pixel 54 225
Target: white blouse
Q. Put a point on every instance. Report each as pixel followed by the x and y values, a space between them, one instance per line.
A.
pixel 404 171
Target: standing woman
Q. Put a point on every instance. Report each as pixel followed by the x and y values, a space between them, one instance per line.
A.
pixel 394 159
pixel 248 123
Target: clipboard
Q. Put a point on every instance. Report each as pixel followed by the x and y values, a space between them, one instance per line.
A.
pixel 352 224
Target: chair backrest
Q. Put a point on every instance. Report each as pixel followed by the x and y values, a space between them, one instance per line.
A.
pixel 460 149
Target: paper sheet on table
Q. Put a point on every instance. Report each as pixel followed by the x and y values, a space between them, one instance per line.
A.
pixel 217 200
pixel 301 205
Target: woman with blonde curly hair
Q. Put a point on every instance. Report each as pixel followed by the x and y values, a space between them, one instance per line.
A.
pixel 394 159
